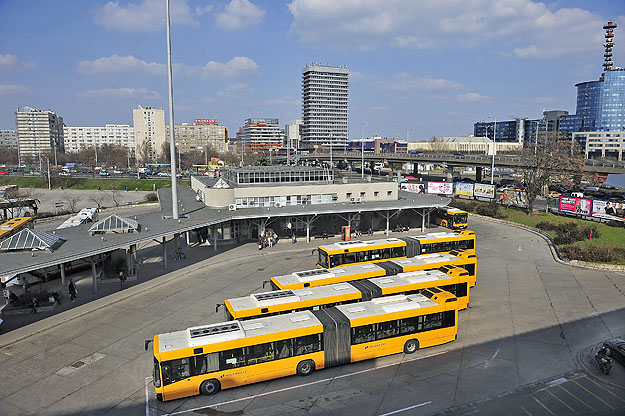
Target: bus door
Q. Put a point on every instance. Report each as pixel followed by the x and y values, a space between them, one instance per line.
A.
pixel 337 342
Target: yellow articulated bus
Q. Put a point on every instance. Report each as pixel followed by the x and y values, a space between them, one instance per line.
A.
pixel 320 277
pixel 455 281
pixel 453 218
pixel 345 253
pixel 210 358
pixel 13 226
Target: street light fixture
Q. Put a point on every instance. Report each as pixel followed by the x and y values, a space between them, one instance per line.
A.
pixel 492 167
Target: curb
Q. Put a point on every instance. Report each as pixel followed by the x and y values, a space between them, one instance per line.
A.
pixel 553 247
pixel 591 374
pixel 97 304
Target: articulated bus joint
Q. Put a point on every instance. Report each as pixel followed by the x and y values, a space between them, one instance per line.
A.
pixel 147 343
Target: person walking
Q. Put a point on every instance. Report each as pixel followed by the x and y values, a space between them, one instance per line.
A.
pixel 73 292
pixel 122 281
pixel 34 304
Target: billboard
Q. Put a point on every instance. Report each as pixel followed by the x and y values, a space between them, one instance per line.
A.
pixel 441 188
pixel 205 121
pixel 464 189
pixel 609 210
pixel 575 205
pixel 515 197
pixel 415 187
pixel 484 190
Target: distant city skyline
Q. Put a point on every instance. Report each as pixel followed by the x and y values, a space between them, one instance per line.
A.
pixel 417 69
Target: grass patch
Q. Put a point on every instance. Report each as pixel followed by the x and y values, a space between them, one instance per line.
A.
pixel 606 248
pixel 89 183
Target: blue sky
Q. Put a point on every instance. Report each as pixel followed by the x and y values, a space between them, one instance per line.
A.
pixel 431 66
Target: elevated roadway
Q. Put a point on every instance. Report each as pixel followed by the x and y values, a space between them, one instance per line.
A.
pixel 484 161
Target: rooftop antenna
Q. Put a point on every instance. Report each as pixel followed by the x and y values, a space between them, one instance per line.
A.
pixel 608 45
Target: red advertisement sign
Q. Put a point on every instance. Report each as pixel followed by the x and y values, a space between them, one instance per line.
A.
pixel 575 205
pixel 205 121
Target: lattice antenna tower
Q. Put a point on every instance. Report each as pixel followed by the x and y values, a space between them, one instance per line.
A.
pixel 608 45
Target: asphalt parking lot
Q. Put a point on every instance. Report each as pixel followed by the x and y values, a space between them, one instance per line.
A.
pixel 528 318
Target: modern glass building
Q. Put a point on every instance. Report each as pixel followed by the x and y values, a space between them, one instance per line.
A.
pixel 600 104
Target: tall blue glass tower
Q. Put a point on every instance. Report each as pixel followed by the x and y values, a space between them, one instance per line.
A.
pixel 600 104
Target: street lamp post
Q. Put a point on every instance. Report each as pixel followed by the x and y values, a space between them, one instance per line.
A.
pixel 492 166
pixel 172 144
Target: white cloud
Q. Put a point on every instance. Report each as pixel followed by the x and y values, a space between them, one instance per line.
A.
pixel 234 90
pixel 406 82
pixel 518 28
pixel 9 62
pixel 240 14
pixel 13 89
pixel 145 16
pixel 203 10
pixel 116 64
pixel 472 97
pixel 120 92
pixel 239 66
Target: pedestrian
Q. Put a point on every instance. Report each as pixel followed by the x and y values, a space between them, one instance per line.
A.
pixel 73 291
pixel 122 281
pixel 125 188
pixel 35 304
pixel 136 189
pixel 370 231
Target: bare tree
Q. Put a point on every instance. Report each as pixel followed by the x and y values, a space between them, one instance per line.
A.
pixel 552 158
pixel 98 199
pixel 8 156
pixel 143 152
pixel 165 153
pixel 71 201
pixel 437 145
pixel 116 196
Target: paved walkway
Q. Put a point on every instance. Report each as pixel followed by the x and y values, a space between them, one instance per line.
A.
pixel 528 318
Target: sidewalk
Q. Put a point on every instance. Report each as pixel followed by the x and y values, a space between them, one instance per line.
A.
pixel 150 275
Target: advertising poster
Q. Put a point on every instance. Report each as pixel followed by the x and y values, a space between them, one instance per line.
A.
pixel 609 210
pixel 441 188
pixel 416 187
pixel 464 189
pixel 515 197
pixel 484 190
pixel 575 205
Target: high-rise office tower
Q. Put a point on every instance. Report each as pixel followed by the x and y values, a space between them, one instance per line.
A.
pixel 325 105
pixel 39 134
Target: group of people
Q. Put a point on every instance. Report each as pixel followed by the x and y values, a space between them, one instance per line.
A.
pixel 615 209
pixel 267 239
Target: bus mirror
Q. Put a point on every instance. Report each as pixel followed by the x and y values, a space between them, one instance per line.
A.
pixel 217 305
pixel 265 282
pixel 147 342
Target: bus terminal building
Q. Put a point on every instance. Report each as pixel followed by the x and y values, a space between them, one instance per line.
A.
pixel 235 208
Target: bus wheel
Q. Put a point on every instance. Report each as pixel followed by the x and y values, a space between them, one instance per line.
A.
pixel 210 387
pixel 305 368
pixel 411 346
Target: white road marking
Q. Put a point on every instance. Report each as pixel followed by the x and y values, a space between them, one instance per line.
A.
pixel 148 409
pixel 489 362
pixel 303 385
pixel 83 362
pixel 406 408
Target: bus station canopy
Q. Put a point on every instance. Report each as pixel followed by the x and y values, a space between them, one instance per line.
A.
pixel 28 239
pixel 115 224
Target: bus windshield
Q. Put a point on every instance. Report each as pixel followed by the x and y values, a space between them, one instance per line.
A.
pixel 323 259
pixel 461 218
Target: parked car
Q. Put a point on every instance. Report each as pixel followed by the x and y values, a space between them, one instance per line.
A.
pixel 118 172
pixel 4 171
pixel 553 194
pixel 64 173
pixel 617 349
pixel 162 174
pixel 104 173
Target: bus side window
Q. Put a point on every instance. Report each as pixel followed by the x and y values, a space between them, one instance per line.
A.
pixel 335 260
pixel 363 256
pixel 398 252
pixel 432 321
pixel 386 253
pixel 206 363
pixel 231 358
pixel 375 254
pixel 362 334
pixel 284 349
pixel 260 353
pixel 387 329
pixel 470 268
pixel 350 258
pixel 176 370
pixel 411 325
pixel 307 344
